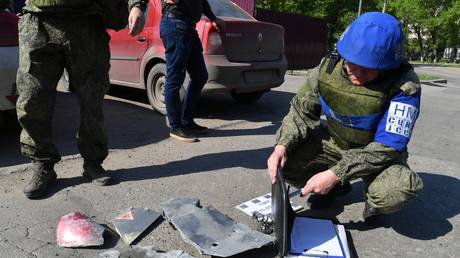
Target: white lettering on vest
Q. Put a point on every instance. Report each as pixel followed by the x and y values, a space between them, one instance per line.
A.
pixel 401 118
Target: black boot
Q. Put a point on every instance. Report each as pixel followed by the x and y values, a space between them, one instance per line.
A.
pixel 196 128
pixel 183 134
pixel 43 175
pixel 371 215
pixel 96 173
pixel 324 201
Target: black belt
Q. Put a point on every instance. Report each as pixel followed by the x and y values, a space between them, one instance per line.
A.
pixel 170 15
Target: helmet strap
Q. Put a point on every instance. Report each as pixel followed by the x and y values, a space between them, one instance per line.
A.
pixel 334 59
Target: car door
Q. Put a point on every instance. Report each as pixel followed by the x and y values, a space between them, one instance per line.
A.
pixel 127 52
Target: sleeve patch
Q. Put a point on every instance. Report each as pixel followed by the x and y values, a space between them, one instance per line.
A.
pixel 401 118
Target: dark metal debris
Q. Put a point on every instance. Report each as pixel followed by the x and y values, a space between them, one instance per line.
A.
pixel 130 224
pixel 144 252
pixel 209 230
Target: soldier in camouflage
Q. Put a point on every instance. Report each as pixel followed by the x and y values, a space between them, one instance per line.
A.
pixel 71 34
pixel 370 98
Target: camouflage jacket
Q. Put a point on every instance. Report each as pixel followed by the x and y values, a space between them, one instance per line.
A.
pixel 93 9
pixel 305 114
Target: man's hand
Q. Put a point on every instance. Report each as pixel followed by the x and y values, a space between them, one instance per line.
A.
pixel 136 21
pixel 219 24
pixel 170 1
pixel 321 183
pixel 276 161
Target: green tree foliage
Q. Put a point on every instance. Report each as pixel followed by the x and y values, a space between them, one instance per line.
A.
pixel 338 14
pixel 432 25
pixel 429 25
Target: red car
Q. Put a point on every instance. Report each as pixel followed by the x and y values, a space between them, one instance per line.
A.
pixel 247 59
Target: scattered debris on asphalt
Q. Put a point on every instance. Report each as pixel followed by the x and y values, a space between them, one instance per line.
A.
pixel 262 204
pixel 130 224
pixel 77 230
pixel 209 230
pixel 265 223
pixel 260 210
pixel 144 252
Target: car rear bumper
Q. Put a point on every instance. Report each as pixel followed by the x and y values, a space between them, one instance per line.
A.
pixel 243 77
pixel 9 59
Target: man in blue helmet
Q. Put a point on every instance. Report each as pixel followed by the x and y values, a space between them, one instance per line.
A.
pixel 370 98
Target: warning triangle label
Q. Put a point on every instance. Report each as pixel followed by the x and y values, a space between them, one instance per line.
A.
pixel 126 216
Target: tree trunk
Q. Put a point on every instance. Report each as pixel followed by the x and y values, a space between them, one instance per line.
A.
pixel 420 43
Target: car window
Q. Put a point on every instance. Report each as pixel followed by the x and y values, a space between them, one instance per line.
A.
pixel 227 8
pixel 146 12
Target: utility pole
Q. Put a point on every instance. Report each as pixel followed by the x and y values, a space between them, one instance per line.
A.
pixel 384 6
pixel 360 5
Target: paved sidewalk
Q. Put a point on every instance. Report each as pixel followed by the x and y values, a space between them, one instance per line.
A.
pixel 224 170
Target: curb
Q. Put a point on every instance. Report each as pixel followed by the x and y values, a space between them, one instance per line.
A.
pixel 435 83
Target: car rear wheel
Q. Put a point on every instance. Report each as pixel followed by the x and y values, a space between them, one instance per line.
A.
pixel 64 82
pixel 10 120
pixel 247 97
pixel 155 88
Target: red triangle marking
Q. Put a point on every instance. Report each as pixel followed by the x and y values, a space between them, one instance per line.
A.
pixel 128 215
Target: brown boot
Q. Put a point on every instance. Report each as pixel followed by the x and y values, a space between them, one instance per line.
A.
pixel 96 173
pixel 43 175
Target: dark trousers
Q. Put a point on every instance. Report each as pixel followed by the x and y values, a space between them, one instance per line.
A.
pixel 183 53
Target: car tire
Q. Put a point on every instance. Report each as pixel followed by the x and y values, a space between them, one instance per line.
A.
pixel 247 97
pixel 64 82
pixel 11 121
pixel 155 88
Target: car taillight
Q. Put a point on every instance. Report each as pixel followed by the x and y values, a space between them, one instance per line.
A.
pixel 13 98
pixel 214 42
pixel 8 30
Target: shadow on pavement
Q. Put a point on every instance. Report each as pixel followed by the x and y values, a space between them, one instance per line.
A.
pixel 253 159
pixel 271 107
pixel 140 126
pixel 219 132
pixel 268 251
pixel 426 217
pixel 129 125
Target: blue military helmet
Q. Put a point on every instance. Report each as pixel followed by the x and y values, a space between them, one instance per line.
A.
pixel 374 40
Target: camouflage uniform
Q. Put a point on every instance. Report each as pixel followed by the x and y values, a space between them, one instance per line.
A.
pixel 390 183
pixel 49 41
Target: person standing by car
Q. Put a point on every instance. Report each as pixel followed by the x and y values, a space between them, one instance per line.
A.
pixel 70 34
pixel 371 99
pixel 183 53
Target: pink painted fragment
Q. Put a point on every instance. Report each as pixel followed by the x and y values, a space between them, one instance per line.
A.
pixel 77 230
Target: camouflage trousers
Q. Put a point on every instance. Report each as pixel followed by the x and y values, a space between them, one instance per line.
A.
pixel 47 44
pixel 388 190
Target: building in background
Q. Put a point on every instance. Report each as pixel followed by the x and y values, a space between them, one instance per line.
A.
pixel 305 37
pixel 247 5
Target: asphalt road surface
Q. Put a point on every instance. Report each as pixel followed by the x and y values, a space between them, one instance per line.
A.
pixel 223 170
